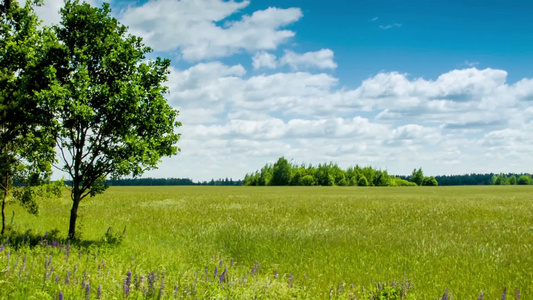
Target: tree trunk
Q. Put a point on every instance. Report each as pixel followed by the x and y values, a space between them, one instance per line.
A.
pixel 4 212
pixel 73 216
pixel 4 200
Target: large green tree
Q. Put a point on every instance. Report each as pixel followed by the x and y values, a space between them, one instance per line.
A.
pixel 110 102
pixel 281 172
pixel 26 126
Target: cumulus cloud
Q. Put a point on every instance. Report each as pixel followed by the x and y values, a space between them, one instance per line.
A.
pixel 322 59
pixel 309 117
pixel 264 60
pixel 193 27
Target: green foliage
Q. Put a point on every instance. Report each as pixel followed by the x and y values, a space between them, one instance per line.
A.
pixel 26 126
pixel 281 172
pixel 113 117
pixel 307 180
pixel 362 181
pixel 402 182
pixel 390 291
pixel 500 179
pixel 417 177
pixel 430 181
pixel 524 180
pixel 330 174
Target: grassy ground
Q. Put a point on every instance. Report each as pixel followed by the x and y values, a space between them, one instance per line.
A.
pixel 310 242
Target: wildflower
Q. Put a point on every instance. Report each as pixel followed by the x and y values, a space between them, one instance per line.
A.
pixel 517 294
pixel 99 292
pixel 88 290
pixel 67 279
pixel 60 295
pixel 504 293
pixel 216 272
pixel 232 262
pixel 445 296
pixel 127 283
pixel 290 279
pixel 84 276
pixel 481 296
pixel 276 274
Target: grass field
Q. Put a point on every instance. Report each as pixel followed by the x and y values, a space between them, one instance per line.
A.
pixel 313 242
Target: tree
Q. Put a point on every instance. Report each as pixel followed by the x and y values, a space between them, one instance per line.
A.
pixel 281 172
pixel 26 131
pixel 417 177
pixel 524 180
pixel 430 181
pixel 114 120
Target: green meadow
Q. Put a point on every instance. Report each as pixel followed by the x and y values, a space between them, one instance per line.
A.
pixel 275 243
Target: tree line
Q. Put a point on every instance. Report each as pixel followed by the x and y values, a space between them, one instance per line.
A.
pixel 284 173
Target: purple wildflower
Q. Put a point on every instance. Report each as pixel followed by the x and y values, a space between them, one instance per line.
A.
pixel 88 290
pixel 216 272
pixel 276 274
pixel 84 276
pixel 504 293
pixel 445 296
pixel 517 294
pixel 67 279
pixel 127 283
pixel 99 292
pixel 481 296
pixel 60 295
pixel 222 278
pixel 290 279
pixel 176 291
pixel 221 263
pixel 232 262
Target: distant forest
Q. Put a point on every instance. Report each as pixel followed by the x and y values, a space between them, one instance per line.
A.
pixel 170 181
pixel 444 180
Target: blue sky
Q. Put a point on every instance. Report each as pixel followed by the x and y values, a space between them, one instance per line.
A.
pixel 442 85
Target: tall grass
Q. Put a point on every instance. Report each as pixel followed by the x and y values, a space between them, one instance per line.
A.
pixel 322 239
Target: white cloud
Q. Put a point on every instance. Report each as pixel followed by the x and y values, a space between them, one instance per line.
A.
pixel 389 26
pixel 191 26
pixel 310 118
pixel 322 59
pixel 264 60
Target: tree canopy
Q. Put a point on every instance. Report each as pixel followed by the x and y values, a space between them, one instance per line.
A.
pixel 109 102
pixel 26 126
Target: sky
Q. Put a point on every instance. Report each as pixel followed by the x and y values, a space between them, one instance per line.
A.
pixel 446 86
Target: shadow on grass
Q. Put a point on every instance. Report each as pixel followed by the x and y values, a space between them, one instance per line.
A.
pixel 16 239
